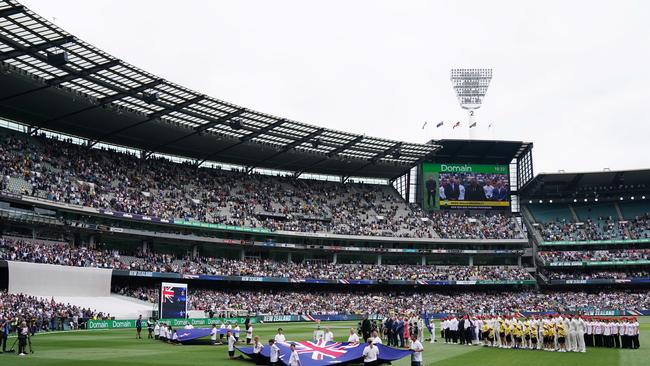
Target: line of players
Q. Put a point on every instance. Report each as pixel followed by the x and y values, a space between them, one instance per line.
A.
pixel 562 333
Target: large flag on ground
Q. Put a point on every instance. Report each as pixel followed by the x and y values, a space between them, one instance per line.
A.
pixel 326 353
pixel 186 335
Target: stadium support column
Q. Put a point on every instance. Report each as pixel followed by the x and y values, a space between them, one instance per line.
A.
pixel 242 254
pixel 379 259
pixel 471 260
pixel 335 258
pixel 195 251
pixel 145 247
pixel 424 260
pixel 289 257
pixel 519 261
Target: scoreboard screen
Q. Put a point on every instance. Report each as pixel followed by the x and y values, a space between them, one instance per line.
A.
pixel 173 300
pixel 465 186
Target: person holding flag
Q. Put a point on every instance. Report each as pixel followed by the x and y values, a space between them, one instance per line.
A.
pixel 274 352
pixel 353 338
pixel 416 356
pixel 294 360
pixel 370 354
pixel 231 345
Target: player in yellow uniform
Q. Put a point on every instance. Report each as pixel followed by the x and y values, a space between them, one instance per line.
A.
pixel 485 333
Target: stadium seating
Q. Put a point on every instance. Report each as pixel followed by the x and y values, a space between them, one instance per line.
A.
pixel 297 302
pixel 63 254
pixel 592 221
pixel 65 172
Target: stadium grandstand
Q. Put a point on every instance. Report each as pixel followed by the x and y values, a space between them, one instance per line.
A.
pixel 117 185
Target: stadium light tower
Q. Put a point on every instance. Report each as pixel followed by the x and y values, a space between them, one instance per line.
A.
pixel 470 86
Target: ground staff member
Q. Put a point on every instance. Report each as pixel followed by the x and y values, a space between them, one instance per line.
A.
pixel 370 354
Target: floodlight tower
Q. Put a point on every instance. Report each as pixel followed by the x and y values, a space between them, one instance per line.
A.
pixel 470 86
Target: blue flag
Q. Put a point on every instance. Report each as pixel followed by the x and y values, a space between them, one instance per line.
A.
pixel 186 335
pixel 323 353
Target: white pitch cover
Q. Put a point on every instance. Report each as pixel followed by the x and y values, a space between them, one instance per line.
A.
pixel 53 280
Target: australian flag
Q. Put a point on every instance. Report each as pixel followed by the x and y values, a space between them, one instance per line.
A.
pixel 326 353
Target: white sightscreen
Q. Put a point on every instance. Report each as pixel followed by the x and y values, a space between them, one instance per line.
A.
pixel 53 280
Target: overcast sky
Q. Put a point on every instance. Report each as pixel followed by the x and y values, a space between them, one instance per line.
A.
pixel 569 76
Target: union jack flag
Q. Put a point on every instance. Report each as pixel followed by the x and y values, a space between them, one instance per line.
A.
pixel 319 350
pixel 168 294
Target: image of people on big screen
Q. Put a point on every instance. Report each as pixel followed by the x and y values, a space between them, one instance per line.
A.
pixel 473 187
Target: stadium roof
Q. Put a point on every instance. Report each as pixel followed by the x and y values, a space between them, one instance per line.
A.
pixel 479 151
pixel 94 95
pixel 587 183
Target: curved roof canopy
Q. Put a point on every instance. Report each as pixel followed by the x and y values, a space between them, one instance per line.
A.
pixel 52 80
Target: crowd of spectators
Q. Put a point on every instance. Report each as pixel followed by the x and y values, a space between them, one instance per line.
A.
pixel 595 275
pixel 460 225
pixel 57 253
pixel 603 228
pixel 595 255
pixel 303 302
pixel 63 254
pixel 66 172
pixel 42 314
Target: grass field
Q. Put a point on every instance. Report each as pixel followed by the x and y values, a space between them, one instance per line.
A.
pixel 119 347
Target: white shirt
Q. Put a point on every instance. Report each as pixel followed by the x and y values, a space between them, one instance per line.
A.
pixel 213 334
pixel 257 347
pixel 376 340
pixel 370 353
pixel 156 330
pixel 280 338
pixel 175 336
pixel 318 334
pixel 249 332
pixel 353 338
pixel 329 336
pixel 294 360
pixel 274 354
pixel 231 343
pixel 416 346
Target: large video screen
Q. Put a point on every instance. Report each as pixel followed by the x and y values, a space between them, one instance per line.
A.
pixel 173 300
pixel 469 186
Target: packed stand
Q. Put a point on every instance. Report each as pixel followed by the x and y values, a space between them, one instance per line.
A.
pixel 33 251
pixel 42 314
pixel 603 228
pixel 595 275
pixel 595 255
pixel 302 303
pixel 102 179
pixel 456 225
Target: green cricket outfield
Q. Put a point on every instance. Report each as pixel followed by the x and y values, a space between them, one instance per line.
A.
pixel 119 347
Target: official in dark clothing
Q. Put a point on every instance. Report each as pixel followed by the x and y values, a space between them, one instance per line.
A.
pixel 366 328
pixel 452 190
pixel 474 192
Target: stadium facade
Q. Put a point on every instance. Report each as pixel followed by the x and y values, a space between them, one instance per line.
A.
pixel 100 154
